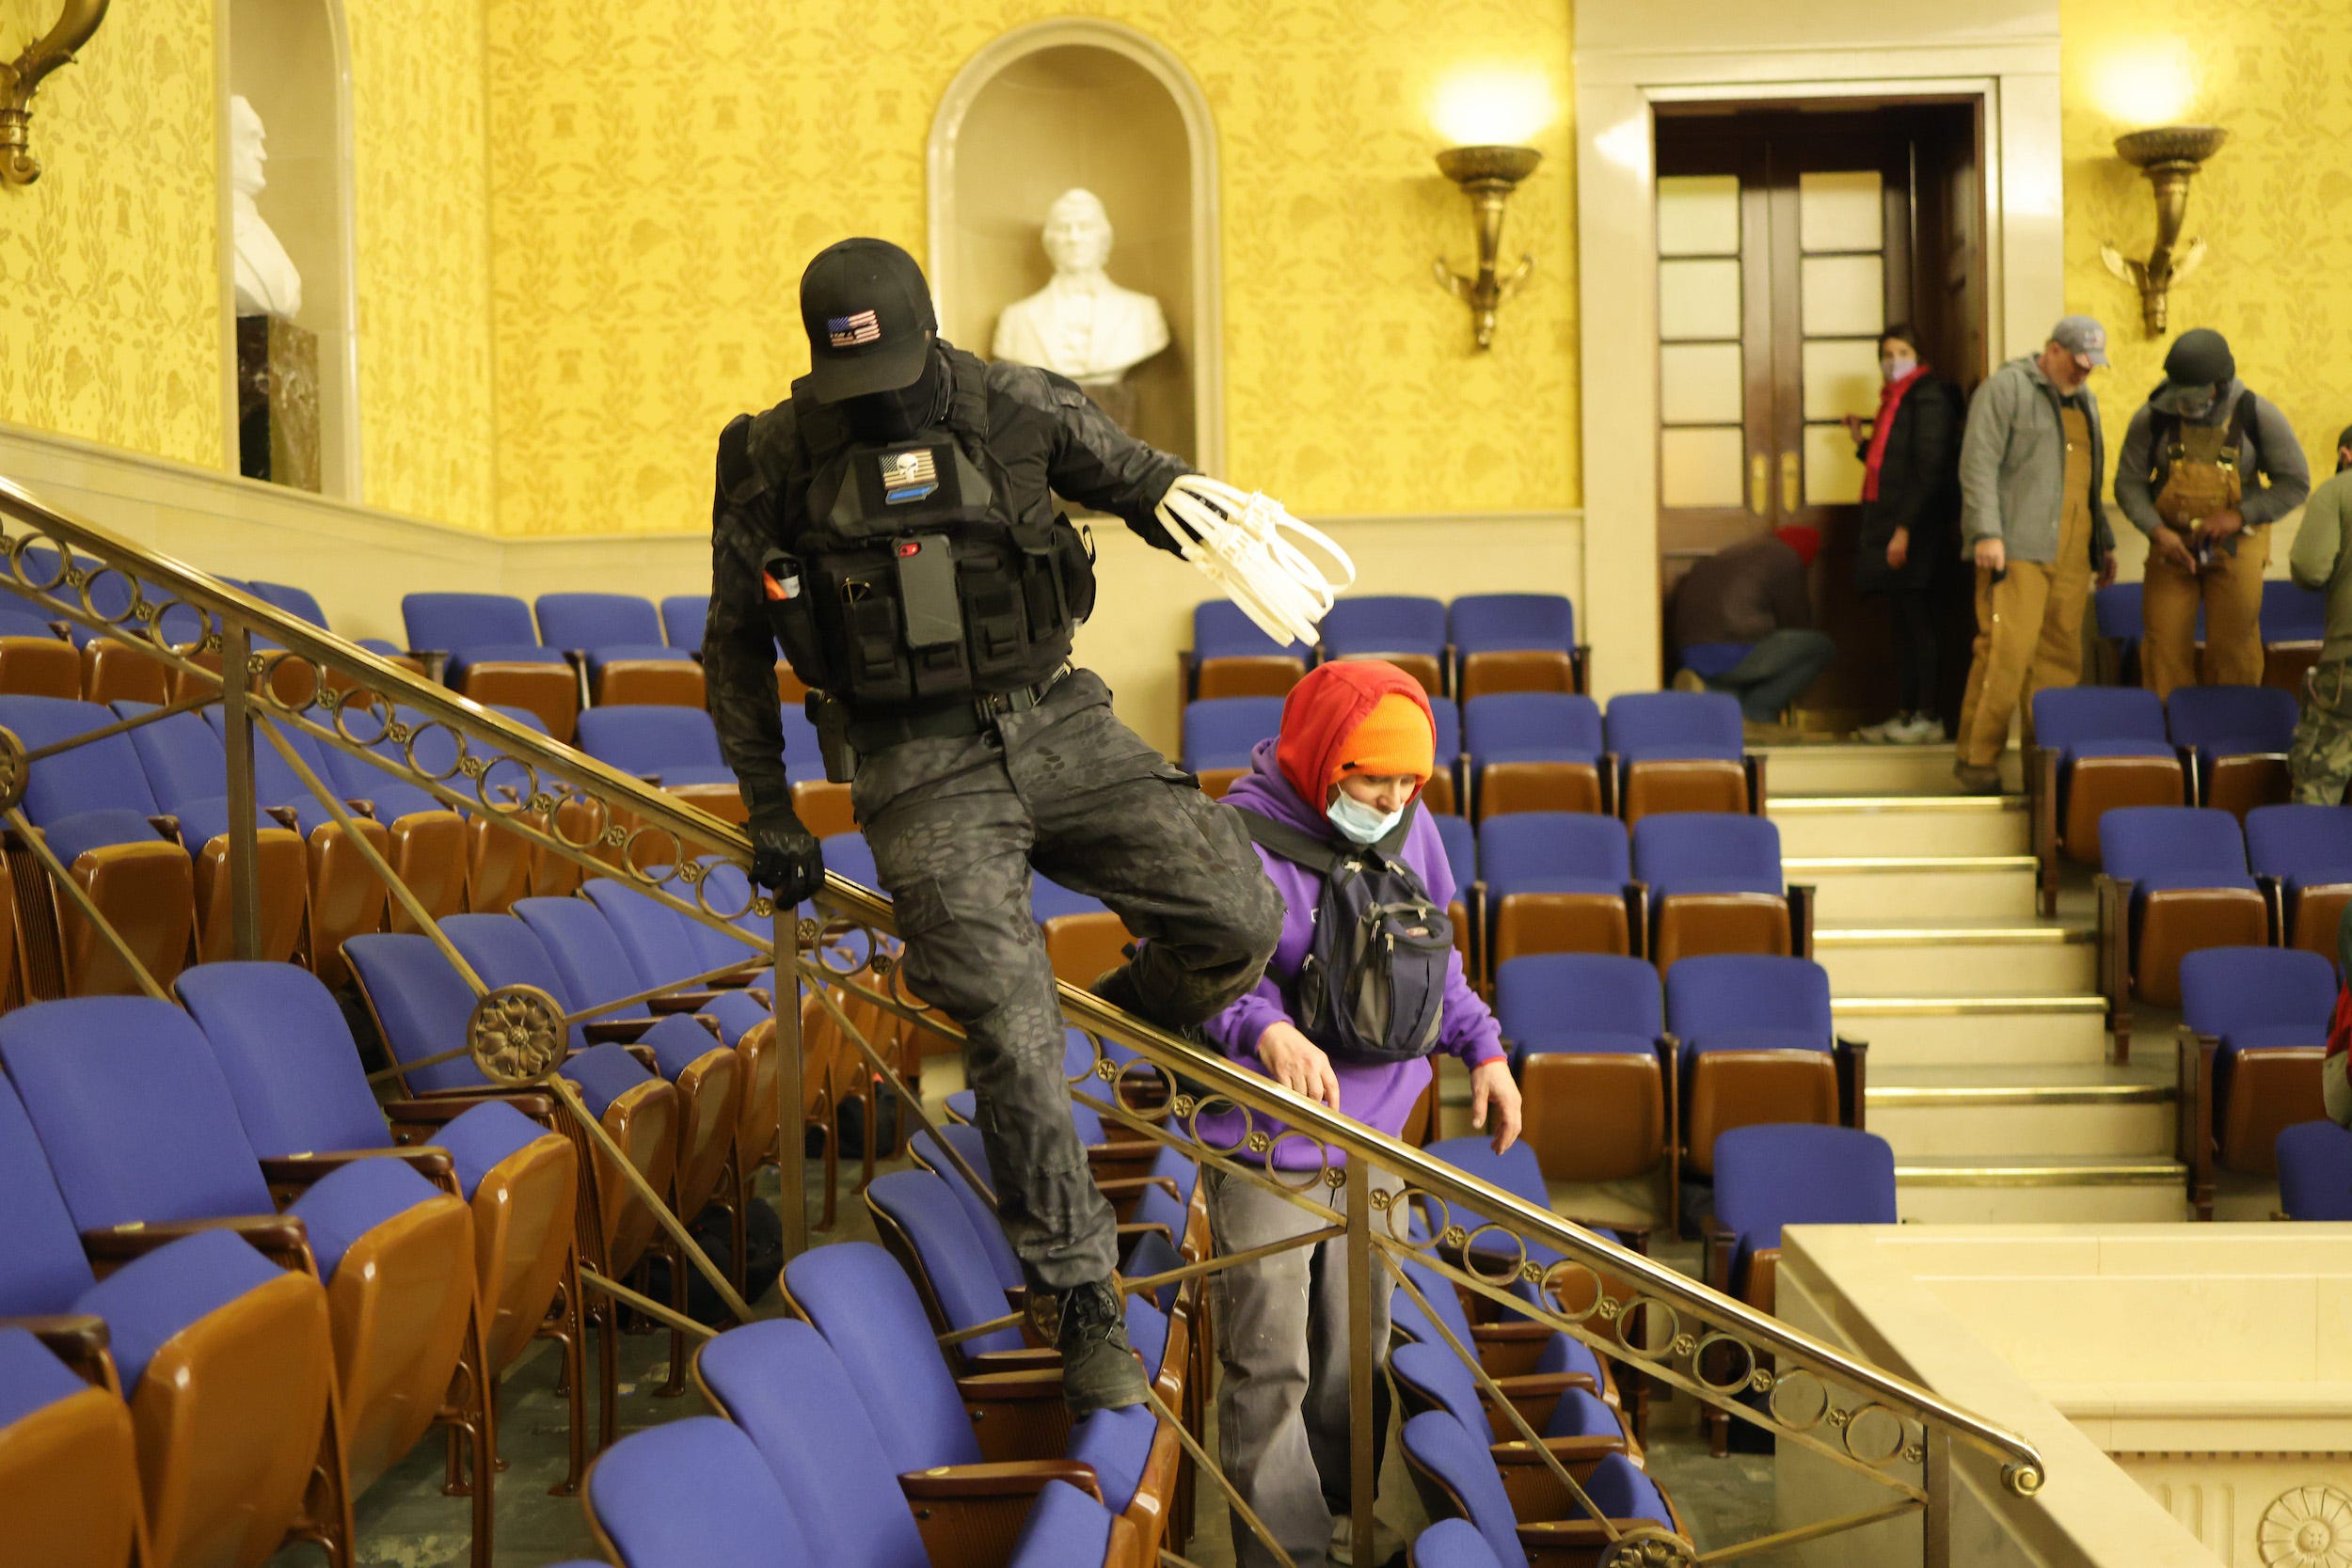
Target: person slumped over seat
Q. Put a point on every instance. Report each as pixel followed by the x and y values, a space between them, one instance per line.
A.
pixel 1743 623
pixel 1340 784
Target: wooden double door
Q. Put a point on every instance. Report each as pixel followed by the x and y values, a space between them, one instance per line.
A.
pixel 1789 240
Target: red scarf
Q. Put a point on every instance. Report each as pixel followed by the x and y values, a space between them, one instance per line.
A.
pixel 1889 399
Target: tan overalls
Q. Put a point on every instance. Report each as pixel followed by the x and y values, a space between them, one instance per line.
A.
pixel 2029 625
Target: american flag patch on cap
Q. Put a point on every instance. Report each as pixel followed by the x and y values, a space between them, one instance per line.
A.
pixel 853 331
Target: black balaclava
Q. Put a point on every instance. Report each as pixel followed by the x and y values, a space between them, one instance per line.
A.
pixel 895 416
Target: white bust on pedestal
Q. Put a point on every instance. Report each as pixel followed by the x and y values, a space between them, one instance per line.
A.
pixel 267 283
pixel 1081 324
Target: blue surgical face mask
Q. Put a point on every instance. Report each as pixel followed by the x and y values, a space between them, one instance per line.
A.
pixel 1896 366
pixel 1359 821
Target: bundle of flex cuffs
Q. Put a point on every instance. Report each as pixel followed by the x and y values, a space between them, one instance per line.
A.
pixel 1245 543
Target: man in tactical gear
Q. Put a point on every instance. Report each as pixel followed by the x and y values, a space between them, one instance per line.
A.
pixel 2206 468
pixel 892 525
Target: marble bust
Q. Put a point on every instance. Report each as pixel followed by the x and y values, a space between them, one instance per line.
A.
pixel 267 283
pixel 1081 324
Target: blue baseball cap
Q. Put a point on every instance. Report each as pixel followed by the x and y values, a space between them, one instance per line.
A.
pixel 2082 336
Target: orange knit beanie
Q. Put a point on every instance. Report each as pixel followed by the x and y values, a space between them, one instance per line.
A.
pixel 1395 737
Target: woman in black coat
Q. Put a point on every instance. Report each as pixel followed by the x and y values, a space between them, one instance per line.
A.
pixel 1909 511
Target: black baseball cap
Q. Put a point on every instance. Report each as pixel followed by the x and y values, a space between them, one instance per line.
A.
pixel 869 316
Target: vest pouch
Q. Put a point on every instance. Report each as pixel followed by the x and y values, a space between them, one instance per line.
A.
pixel 864 602
pixel 791 607
pixel 995 623
pixel 1073 562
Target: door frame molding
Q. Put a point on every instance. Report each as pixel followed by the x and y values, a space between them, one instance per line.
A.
pixel 1616 91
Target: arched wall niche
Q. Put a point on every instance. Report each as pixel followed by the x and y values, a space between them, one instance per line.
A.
pixel 291 59
pixel 1077 101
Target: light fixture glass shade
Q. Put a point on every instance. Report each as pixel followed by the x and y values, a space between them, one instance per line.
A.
pixel 1492 106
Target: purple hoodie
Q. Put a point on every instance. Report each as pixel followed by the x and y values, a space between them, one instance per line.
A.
pixel 1379 1095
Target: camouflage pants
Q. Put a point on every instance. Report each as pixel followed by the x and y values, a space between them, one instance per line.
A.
pixel 2320 761
pixel 956 823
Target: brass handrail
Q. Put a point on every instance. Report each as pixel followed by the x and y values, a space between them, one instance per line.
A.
pixel 1217 1078
pixel 1221 1078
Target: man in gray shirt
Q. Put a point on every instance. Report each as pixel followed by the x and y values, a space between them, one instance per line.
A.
pixel 2032 521
pixel 2206 468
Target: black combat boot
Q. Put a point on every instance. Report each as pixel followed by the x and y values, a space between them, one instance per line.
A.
pixel 1099 1370
pixel 1116 986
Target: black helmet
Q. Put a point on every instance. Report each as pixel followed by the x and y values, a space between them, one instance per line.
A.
pixel 2201 357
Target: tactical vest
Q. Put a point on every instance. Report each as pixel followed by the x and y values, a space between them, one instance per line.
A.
pixel 915 580
pixel 2196 465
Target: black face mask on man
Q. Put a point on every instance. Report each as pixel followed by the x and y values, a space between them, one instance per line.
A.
pixel 896 414
pixel 2194 403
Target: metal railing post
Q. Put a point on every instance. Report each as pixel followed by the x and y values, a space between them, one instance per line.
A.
pixel 1364 1433
pixel 1935 1520
pixel 244 892
pixel 792 1164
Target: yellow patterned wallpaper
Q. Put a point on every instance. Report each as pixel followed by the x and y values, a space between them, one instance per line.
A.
pixel 2270 204
pixel 109 302
pixel 656 186
pixel 423 263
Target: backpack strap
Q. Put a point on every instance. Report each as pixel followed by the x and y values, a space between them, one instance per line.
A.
pixel 2241 431
pixel 1317 855
pixel 1320 855
pixel 1393 842
pixel 2164 429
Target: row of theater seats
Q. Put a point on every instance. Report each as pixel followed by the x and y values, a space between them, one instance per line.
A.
pixel 264 1330
pixel 1481 644
pixel 677 749
pixel 851 1434
pixel 2253 1028
pixel 2174 880
pixel 573 651
pixel 1626 1078
pixel 43 655
pixel 1494 1499
pixel 1678 885
pixel 578 651
pixel 2293 629
pixel 1652 751
pixel 2099 747
pixel 1562 903
pixel 140 819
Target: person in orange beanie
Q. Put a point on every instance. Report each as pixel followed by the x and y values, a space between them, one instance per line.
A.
pixel 1357 745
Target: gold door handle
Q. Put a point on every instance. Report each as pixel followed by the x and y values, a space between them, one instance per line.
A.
pixel 1759 485
pixel 1787 482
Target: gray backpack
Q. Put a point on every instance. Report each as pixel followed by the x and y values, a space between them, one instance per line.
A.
pixel 1372 987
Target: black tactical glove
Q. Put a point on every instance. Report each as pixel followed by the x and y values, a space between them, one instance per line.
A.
pixel 786 857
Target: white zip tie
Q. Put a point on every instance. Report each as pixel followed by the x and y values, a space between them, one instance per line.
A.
pixel 1237 541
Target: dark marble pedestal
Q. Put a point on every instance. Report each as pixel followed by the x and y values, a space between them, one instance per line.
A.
pixel 1115 398
pixel 277 402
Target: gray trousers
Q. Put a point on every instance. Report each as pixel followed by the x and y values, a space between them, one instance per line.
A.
pixel 1283 1417
pixel 955 824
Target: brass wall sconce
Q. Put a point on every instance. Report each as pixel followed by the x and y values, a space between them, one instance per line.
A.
pixel 21 79
pixel 2169 157
pixel 1488 175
